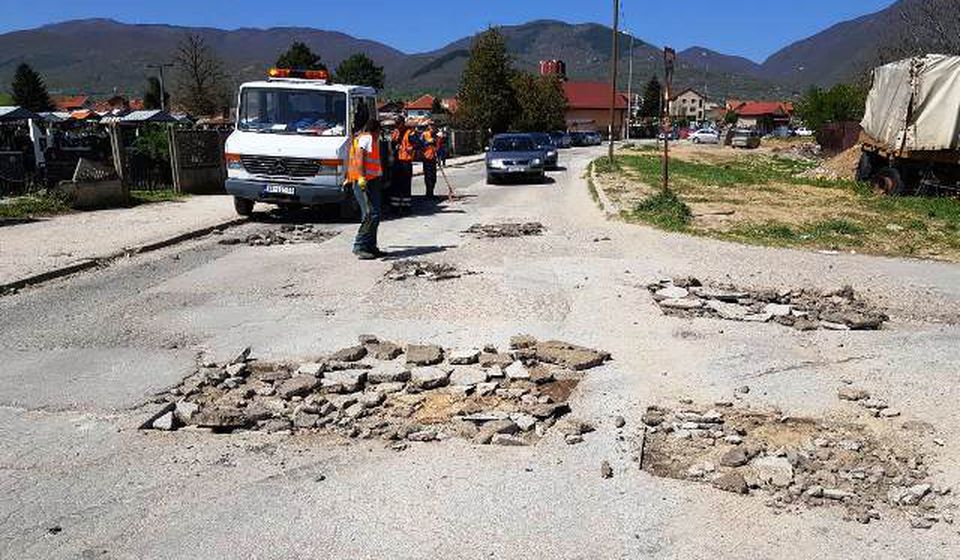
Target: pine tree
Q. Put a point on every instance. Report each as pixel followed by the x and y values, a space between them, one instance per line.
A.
pixel 29 91
pixel 360 70
pixel 542 103
pixel 487 99
pixel 651 99
pixel 151 95
pixel 300 57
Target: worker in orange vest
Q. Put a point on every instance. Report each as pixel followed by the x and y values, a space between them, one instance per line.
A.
pixel 429 140
pixel 364 171
pixel 402 176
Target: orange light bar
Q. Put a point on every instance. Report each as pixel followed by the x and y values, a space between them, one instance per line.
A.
pixel 301 74
pixel 331 162
pixel 232 158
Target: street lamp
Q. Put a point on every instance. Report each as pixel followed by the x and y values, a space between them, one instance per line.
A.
pixel 160 67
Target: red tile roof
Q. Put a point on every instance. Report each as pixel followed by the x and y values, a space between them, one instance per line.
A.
pixel 67 103
pixel 451 104
pixel 761 108
pixel 591 95
pixel 424 103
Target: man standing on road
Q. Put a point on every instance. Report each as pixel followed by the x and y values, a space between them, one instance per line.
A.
pixel 402 176
pixel 429 138
pixel 364 171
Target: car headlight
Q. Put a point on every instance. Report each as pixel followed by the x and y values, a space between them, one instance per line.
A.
pixel 551 153
pixel 536 161
pixel 496 163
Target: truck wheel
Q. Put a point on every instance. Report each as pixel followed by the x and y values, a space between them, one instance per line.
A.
pixel 865 167
pixel 243 206
pixel 888 181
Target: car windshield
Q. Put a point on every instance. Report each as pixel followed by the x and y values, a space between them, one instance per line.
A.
pixel 293 111
pixel 542 140
pixel 513 144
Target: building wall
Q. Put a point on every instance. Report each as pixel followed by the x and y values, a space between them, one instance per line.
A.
pixel 595 120
pixel 690 104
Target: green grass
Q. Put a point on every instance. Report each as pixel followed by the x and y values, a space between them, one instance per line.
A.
pixel 148 197
pixel 665 210
pixel 837 232
pixel 32 206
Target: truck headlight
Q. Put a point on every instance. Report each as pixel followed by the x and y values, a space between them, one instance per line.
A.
pixel 537 161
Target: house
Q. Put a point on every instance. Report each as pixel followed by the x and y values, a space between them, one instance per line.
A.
pixel 450 104
pixel 689 104
pixel 765 116
pixel 72 103
pixel 588 107
pixel 420 108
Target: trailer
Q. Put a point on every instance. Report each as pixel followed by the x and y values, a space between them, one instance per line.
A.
pixel 911 126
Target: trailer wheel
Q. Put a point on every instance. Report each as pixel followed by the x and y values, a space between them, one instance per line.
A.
pixel 865 167
pixel 889 181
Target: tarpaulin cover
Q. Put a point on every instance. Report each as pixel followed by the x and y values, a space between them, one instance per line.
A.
pixel 915 104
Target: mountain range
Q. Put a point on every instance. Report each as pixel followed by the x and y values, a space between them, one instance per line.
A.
pixel 105 56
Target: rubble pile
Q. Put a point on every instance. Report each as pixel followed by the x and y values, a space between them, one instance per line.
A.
pixel 506 229
pixel 803 309
pixel 793 462
pixel 435 272
pixel 401 394
pixel 805 151
pixel 285 235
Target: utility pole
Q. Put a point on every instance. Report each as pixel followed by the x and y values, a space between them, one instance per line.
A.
pixel 630 89
pixel 614 66
pixel 669 57
pixel 163 94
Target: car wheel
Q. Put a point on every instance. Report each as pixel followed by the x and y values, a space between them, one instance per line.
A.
pixel 491 180
pixel 696 140
pixel 243 206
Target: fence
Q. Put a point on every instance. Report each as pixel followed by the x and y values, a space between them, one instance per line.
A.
pixel 198 165
pixel 466 142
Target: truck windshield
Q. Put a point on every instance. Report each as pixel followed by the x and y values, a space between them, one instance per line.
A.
pixel 293 111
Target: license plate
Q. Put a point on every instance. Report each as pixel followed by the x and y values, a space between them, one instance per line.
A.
pixel 516 169
pixel 280 189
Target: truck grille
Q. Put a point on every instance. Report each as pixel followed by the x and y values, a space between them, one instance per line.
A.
pixel 280 166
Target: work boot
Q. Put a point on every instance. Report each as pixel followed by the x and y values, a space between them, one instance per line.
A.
pixel 365 255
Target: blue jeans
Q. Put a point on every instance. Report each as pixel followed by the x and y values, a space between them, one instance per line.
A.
pixel 369 201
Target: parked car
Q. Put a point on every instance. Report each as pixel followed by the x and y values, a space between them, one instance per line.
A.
pixel 781 132
pixel 579 139
pixel 803 131
pixel 745 138
pixel 514 156
pixel 543 142
pixel 705 136
pixel 561 139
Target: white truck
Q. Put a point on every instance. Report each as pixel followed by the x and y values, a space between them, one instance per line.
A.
pixel 290 143
pixel 911 142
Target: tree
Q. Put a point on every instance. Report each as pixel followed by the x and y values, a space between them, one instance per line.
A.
pixel 487 99
pixel 842 102
pixel 151 95
pixel 29 91
pixel 300 57
pixel 202 82
pixel 652 92
pixel 541 101
pixel 360 70
pixel 437 107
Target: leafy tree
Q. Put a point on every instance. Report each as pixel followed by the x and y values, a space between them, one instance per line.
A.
pixel 842 102
pixel 542 103
pixel 360 70
pixel 29 91
pixel 650 107
pixel 300 57
pixel 487 98
pixel 202 81
pixel 151 95
pixel 437 107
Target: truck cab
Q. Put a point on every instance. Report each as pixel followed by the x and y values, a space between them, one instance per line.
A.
pixel 290 143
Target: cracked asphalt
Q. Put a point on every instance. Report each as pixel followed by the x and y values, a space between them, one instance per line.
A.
pixel 82 357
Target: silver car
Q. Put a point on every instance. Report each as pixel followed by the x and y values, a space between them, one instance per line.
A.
pixel 514 156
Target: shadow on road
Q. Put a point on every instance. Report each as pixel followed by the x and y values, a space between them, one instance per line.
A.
pixel 407 251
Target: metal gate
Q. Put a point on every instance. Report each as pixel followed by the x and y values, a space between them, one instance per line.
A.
pixel 198 165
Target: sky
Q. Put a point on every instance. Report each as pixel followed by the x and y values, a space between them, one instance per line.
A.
pixel 751 28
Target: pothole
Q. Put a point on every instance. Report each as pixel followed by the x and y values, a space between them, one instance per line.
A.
pixel 802 309
pixel 795 463
pixel 506 230
pixel 285 235
pixel 379 389
pixel 436 272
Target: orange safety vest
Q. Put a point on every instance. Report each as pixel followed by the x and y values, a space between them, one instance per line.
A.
pixel 429 146
pixel 363 163
pixel 405 150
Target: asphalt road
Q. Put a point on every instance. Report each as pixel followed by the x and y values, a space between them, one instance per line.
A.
pixel 81 358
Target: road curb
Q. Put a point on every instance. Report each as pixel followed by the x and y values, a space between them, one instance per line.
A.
pixel 607 205
pixel 96 262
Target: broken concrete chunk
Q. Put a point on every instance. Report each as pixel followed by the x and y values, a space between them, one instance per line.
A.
pixel 464 357
pixel 778 310
pixel 729 311
pixel 731 482
pixel 507 440
pixel 236 370
pixel 165 422
pixel 389 372
pixel 671 292
pixel 220 418
pixel 384 351
pixel 242 356
pixel 522 341
pixel 517 370
pixel 429 377
pixel 490 429
pixel 184 411
pixel 424 355
pixel 351 354
pixel 775 471
pixel 297 386
pixel 571 356
pixel 314 369
pixel 467 376
pixel 494 359
pixel 852 394
pixel 681 304
pixel 349 381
